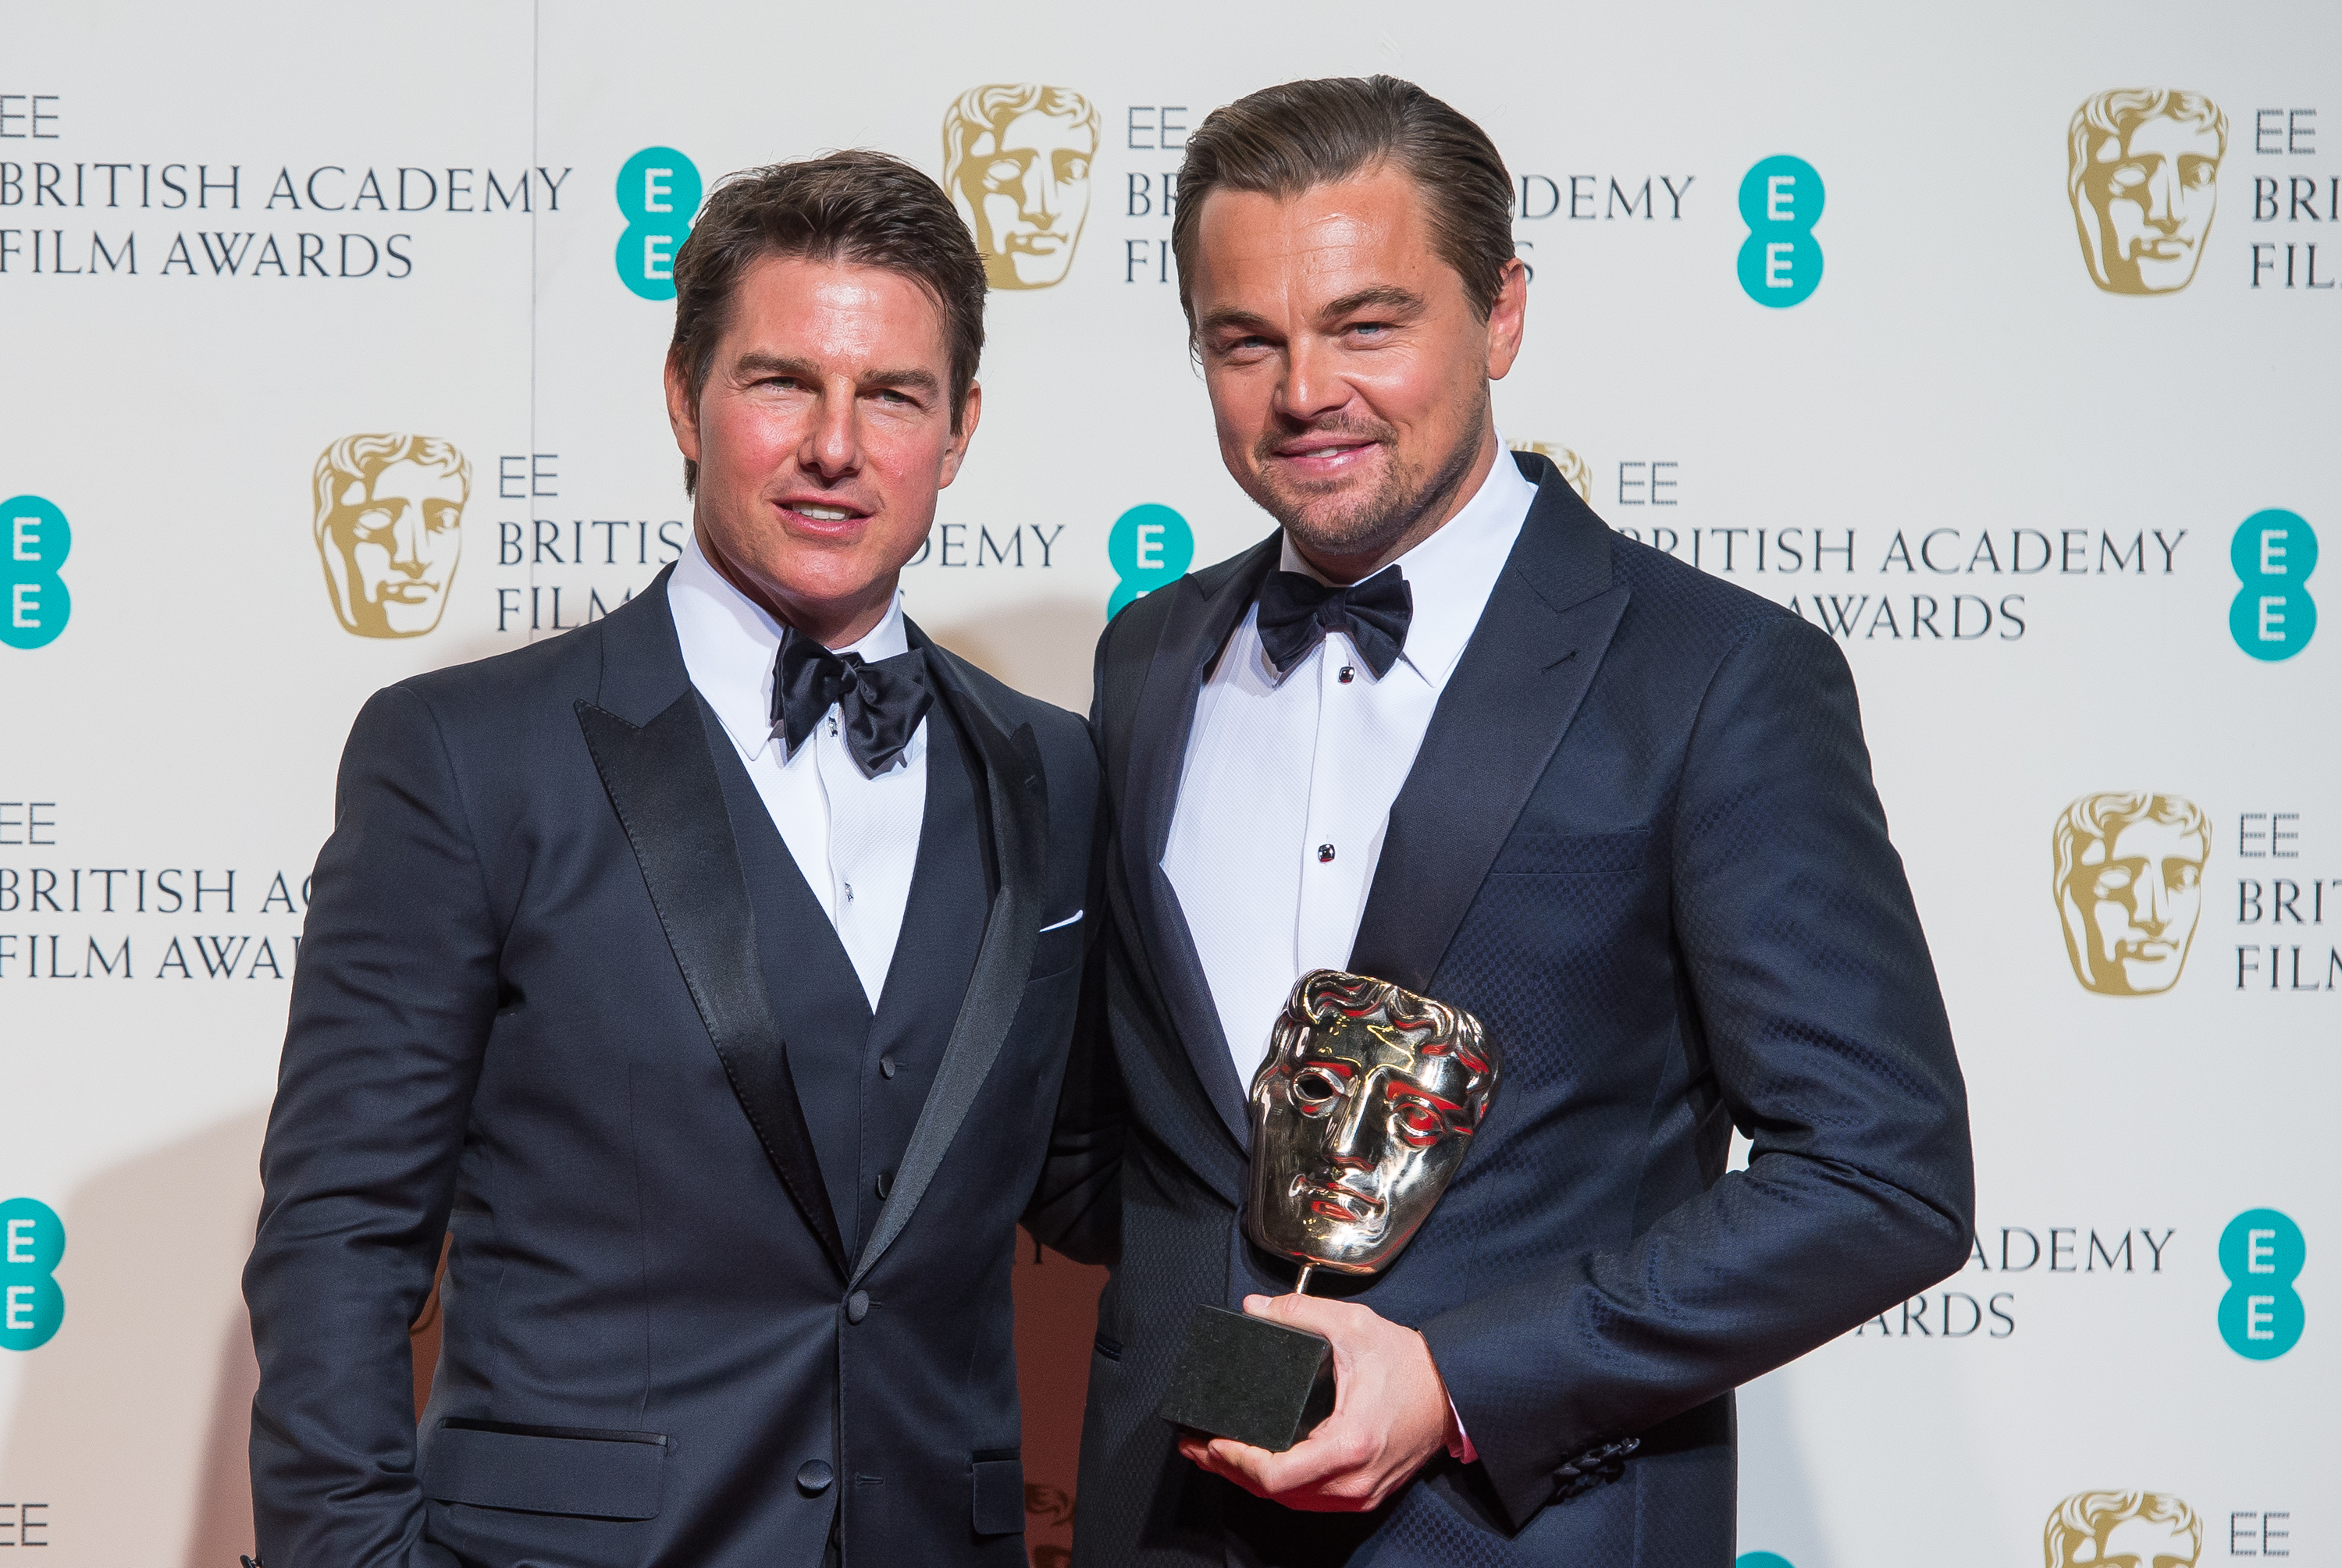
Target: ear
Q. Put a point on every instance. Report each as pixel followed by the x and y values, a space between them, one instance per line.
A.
pixel 957 450
pixel 1507 318
pixel 682 408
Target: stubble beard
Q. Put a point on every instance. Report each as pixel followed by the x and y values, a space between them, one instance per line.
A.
pixel 1370 526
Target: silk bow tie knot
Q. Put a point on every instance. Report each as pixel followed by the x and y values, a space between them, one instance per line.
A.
pixel 882 702
pixel 1297 611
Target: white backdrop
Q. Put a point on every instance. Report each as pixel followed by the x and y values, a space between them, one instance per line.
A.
pixel 2025 487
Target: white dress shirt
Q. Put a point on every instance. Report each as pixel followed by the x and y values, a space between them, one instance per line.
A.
pixel 1287 785
pixel 855 839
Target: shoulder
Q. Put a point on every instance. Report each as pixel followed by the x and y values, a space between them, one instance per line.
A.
pixel 504 701
pixel 1063 737
pixel 1703 617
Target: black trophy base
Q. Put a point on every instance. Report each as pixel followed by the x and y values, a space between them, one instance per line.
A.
pixel 1250 1379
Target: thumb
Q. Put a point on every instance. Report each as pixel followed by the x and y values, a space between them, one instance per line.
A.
pixel 1296 1312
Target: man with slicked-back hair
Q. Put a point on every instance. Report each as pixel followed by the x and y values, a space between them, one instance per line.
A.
pixel 704 978
pixel 1445 728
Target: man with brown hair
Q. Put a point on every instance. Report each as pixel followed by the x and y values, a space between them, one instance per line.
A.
pixel 703 976
pixel 1446 729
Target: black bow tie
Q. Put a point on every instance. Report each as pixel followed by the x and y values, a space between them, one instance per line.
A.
pixel 883 702
pixel 1297 611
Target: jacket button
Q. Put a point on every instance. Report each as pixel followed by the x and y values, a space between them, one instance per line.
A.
pixel 886 1066
pixel 813 1477
pixel 858 1307
pixel 886 1183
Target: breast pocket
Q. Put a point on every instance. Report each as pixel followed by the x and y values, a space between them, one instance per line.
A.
pixel 586 1471
pixel 1057 949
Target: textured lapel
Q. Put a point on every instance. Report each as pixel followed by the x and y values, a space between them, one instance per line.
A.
pixel 661 780
pixel 1018 794
pixel 1515 690
pixel 1206 609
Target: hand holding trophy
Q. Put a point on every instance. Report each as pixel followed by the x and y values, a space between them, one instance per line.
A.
pixel 1361 1114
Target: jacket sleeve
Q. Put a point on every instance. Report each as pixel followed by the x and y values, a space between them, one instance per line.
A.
pixel 1809 981
pixel 392 999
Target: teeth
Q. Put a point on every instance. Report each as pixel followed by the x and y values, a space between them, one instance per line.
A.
pixel 825 514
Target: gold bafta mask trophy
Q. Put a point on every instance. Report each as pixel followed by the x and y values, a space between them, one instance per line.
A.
pixel 1364 1107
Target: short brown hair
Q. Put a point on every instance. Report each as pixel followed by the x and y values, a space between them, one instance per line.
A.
pixel 866 208
pixel 1281 141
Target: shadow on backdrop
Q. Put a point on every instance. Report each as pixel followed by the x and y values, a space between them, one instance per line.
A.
pixel 1043 649
pixel 147 1390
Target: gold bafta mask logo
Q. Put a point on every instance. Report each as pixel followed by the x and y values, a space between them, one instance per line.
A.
pixel 1573 468
pixel 2129 886
pixel 2122 1530
pixel 2143 179
pixel 389 528
pixel 1017 162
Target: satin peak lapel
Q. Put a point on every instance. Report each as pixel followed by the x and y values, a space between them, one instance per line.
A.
pixel 1517 685
pixel 662 783
pixel 1017 792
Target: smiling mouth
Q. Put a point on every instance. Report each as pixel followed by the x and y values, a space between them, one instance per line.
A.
pixel 823 516
pixel 1324 462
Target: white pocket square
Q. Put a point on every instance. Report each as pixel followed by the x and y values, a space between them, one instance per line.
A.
pixel 1063 924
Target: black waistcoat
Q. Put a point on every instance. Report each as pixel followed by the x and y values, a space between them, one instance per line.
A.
pixel 861 1079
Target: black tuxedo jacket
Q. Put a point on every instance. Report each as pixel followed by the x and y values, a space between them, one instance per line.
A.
pixel 730 1255
pixel 1641 843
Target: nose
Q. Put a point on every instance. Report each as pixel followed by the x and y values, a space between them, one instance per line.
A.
pixel 1349 1123
pixel 832 448
pixel 2153 909
pixel 1311 388
pixel 406 540
pixel 1040 193
pixel 2162 194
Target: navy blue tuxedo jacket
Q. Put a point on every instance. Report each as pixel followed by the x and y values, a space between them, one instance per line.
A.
pixel 1641 843
pixel 729 1253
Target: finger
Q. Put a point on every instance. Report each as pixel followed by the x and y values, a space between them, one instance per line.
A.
pixel 1329 1318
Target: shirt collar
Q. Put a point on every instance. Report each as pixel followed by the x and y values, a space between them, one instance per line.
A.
pixel 730 644
pixel 1451 573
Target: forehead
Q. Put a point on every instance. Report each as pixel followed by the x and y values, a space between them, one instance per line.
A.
pixel 1253 249
pixel 1048 133
pixel 843 314
pixel 2156 840
pixel 411 478
pixel 2136 1534
pixel 1368 1045
pixel 2171 138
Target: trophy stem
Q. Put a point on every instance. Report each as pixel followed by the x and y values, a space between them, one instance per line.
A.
pixel 1301 1280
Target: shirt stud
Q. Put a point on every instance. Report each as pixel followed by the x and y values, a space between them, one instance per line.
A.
pixel 1324 853
pixel 1349 673
pixel 849 893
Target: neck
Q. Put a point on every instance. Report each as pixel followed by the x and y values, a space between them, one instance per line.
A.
pixel 832 622
pixel 1448 495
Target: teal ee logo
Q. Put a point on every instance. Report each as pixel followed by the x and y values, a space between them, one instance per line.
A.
pixel 1148 547
pixel 2261 1253
pixel 1761 1560
pixel 2272 616
pixel 1780 201
pixel 32 1241
pixel 33 542
pixel 658 191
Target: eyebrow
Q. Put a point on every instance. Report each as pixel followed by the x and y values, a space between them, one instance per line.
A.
pixel 754 364
pixel 1390 296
